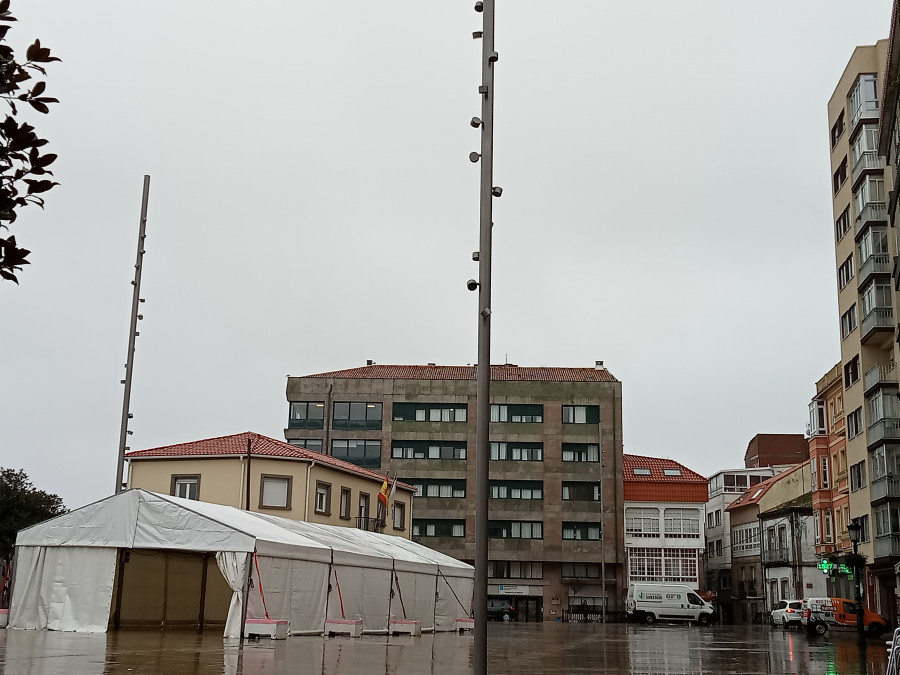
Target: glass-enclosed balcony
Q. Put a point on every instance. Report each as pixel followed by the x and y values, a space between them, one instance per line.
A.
pixel 875 264
pixel 871 212
pixel 867 161
pixel 882 374
pixel 878 320
pixel 885 487
pixel 887 545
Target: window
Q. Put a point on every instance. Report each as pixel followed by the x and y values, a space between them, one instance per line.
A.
pixel 851 372
pixel 438 527
pixel 873 243
pixel 345 503
pixel 870 193
pixel 735 482
pixel 863 99
pixel 307 415
pixel 718 516
pixel 581 414
pixel 840 175
pixel 876 295
pixel 587 531
pixel 515 529
pixel 885 461
pixel 677 565
pixel 745 539
pixel 323 498
pixel 842 224
pixel 641 471
pixel 858 476
pixel 429 412
pixel 517 489
pixel 671 472
pixel 817 527
pixel 359 452
pixel 864 534
pixel 363 506
pixel 838 129
pixel 186 487
pixel 641 522
pixel 580 452
pixel 710 549
pixel 718 547
pixel 824 481
pixel 356 415
pixel 515 569
pixel 428 450
pixel 848 321
pixel 518 452
pixel 709 519
pixel 845 272
pixel 399 513
pixel 865 148
pixel 578 570
pixel 517 413
pixel 682 522
pixel 854 423
pixel 882 405
pixel 580 491
pixel 275 492
pixel 314 444
pixel 829 530
pixel 446 489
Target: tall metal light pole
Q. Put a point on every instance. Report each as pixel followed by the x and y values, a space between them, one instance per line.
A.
pixel 483 388
pixel 853 529
pixel 132 334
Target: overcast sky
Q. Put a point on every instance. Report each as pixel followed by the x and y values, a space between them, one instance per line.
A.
pixel 666 209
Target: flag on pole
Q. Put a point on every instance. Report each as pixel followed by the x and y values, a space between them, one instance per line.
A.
pixel 393 490
pixel 383 494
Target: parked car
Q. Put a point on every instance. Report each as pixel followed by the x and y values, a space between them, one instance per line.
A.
pixel 500 609
pixel 666 602
pixel 821 614
pixel 787 613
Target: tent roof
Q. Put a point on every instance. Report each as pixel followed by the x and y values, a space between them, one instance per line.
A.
pixel 140 519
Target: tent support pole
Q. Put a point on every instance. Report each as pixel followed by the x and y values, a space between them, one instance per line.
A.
pixel 203 592
pixel 246 595
pixel 120 583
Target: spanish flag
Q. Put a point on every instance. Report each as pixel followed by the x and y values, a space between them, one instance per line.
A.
pixel 383 494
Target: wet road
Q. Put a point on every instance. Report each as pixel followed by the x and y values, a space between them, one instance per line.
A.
pixel 513 648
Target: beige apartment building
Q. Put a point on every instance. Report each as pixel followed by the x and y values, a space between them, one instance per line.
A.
pixel 264 475
pixel 556 528
pixel 865 256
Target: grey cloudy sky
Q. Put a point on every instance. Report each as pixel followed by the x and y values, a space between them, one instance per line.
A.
pixel 666 209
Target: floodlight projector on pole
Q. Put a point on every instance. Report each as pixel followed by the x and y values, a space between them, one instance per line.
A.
pixel 482 398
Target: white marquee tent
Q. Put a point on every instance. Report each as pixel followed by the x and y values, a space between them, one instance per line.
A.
pixel 144 558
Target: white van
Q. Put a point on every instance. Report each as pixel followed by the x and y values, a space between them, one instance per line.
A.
pixel 650 603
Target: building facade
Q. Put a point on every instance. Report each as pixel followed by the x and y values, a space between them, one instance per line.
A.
pixel 556 536
pixel 664 511
pixel 865 257
pixel 264 475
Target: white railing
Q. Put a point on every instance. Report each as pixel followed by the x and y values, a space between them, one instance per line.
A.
pixel 877 263
pixel 869 159
pixel 893 664
pixel 880 317
pixel 880 373
pixel 871 211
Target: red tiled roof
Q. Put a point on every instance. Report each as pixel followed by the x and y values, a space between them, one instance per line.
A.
pixel 503 373
pixel 260 445
pixel 758 491
pixel 656 466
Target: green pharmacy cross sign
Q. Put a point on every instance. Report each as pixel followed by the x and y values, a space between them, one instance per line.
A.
pixel 831 568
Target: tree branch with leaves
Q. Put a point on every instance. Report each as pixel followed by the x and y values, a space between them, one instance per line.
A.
pixel 23 167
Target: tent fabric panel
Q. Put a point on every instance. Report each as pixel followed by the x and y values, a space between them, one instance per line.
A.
pixel 294 590
pixel 454 601
pixel 63 588
pixel 416 596
pixel 108 523
pixel 162 524
pixel 364 594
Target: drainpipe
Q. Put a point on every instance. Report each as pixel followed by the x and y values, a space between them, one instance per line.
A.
pixel 247 486
pixel 306 500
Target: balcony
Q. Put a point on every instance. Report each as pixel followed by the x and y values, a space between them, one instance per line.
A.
pixel 872 212
pixel 885 487
pixel 882 374
pixel 887 545
pixel 866 109
pixel 887 428
pixel 780 555
pixel 306 424
pixel 876 264
pixel 867 161
pixel 877 321
pixel 370 524
pixel 747 589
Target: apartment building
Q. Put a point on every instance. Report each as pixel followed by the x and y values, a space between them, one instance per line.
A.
pixel 556 532
pixel 832 478
pixel 253 472
pixel 865 256
pixel 664 510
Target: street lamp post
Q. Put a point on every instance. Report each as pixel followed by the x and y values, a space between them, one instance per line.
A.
pixel 854 528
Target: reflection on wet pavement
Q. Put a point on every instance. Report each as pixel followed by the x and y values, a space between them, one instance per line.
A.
pixel 526 648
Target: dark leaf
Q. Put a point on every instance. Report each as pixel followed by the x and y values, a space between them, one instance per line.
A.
pixel 39 106
pixel 37 186
pixel 38 89
pixel 9 276
pixel 47 160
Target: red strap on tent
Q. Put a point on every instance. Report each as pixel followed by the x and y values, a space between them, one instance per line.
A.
pixel 261 594
pixel 340 597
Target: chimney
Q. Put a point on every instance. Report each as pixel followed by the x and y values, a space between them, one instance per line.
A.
pixel 370 362
pixel 432 364
pixel 598 364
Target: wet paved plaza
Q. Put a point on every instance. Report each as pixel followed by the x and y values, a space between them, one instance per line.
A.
pixel 512 648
